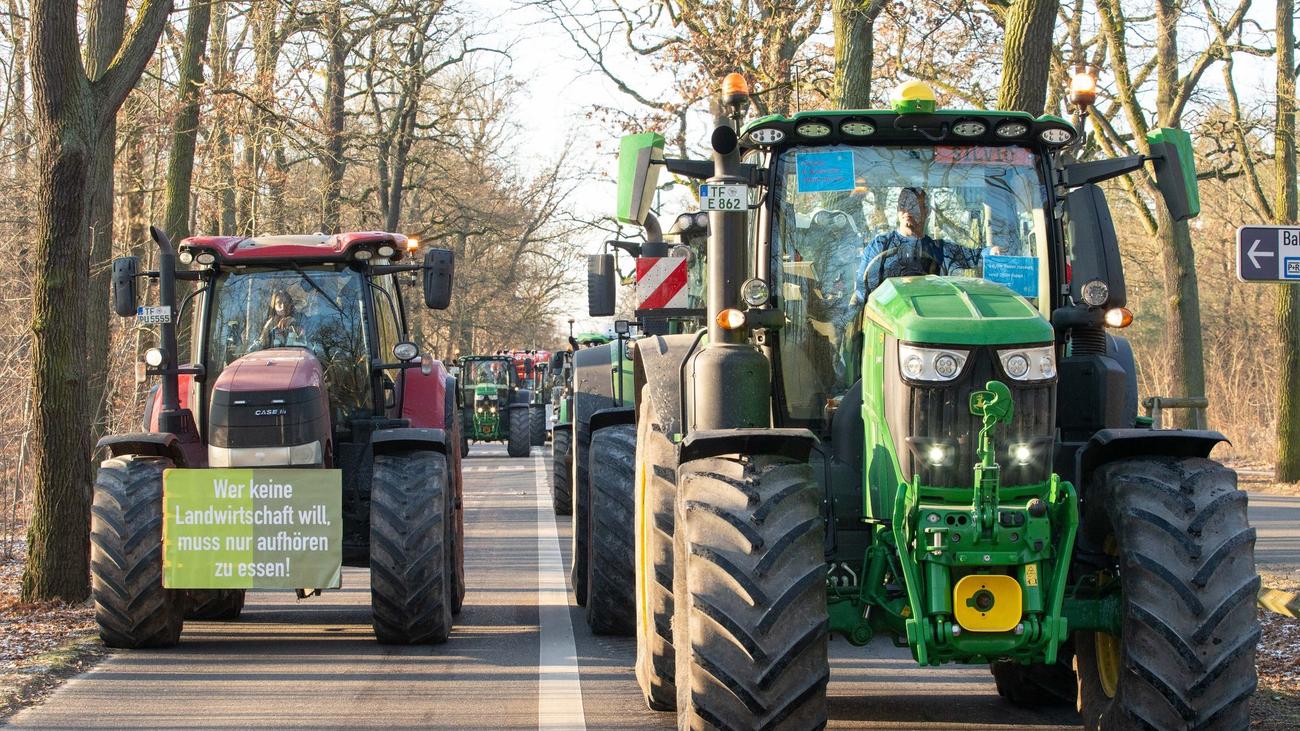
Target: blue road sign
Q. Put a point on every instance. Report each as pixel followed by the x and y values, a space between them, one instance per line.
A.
pixel 1268 253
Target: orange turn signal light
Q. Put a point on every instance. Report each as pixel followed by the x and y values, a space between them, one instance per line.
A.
pixel 412 243
pixel 734 84
pixel 1119 317
pixel 731 319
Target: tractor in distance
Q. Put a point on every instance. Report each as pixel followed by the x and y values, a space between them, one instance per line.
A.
pixel 299 362
pixel 907 417
pixel 561 373
pixel 669 293
pixel 497 406
pixel 530 368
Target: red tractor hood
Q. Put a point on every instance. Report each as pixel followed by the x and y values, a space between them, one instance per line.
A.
pixel 275 369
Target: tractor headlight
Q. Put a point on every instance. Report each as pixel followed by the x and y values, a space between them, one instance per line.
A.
pixel 929 364
pixel 1023 454
pixel 936 455
pixel 1029 364
pixel 755 292
pixel 153 357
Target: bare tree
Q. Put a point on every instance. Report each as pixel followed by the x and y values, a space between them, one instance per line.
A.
pixel 185 125
pixel 1284 212
pixel 854 27
pixel 72 111
pixel 1027 55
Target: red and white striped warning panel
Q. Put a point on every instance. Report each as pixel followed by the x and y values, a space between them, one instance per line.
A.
pixel 660 282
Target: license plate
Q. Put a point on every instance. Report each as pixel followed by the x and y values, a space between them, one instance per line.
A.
pixel 153 315
pixel 715 197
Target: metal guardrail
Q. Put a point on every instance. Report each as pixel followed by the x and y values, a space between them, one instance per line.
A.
pixel 1285 603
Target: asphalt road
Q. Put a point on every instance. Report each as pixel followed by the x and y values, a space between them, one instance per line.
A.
pixel 520 657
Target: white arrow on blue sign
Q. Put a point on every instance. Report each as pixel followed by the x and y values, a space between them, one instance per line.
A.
pixel 1268 254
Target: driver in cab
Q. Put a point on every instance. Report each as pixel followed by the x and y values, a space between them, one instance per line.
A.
pixel 909 250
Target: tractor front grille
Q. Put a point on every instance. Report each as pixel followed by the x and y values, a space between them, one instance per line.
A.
pixel 922 414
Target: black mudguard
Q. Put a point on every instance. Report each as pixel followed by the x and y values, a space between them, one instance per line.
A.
pixel 1109 445
pixel 795 444
pixel 145 444
pixel 389 441
pixel 658 374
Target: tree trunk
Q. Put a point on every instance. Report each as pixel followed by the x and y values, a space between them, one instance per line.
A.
pixel 71 114
pixel 222 149
pixel 335 79
pixel 104 36
pixel 185 126
pixel 1285 213
pixel 1027 55
pixel 854 24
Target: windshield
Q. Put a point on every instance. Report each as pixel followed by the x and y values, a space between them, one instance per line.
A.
pixel 322 310
pixel 493 372
pixel 848 218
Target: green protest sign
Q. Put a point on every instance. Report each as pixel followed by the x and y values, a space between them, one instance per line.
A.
pixel 252 528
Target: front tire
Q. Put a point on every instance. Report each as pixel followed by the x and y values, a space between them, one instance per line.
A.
pixel 519 432
pixel 223 605
pixel 561 465
pixel 1184 556
pixel 581 450
pixel 656 475
pixel 611 578
pixel 132 608
pixel 537 424
pixel 750 621
pixel 410 585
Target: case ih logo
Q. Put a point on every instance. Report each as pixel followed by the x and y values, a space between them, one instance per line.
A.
pixel 270 412
pixel 661 282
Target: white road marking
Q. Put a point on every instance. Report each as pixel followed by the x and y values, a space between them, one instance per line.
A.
pixel 559 685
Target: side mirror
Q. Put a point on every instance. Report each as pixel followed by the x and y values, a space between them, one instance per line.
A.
pixel 125 296
pixel 1094 245
pixel 640 159
pixel 439 265
pixel 1175 164
pixel 601 285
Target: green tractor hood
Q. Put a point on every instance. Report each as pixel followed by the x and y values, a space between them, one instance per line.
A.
pixel 956 311
pixel 486 389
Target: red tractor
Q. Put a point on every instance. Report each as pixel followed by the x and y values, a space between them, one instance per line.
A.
pixel 301 367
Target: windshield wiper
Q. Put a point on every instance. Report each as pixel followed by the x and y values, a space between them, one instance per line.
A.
pixel 317 287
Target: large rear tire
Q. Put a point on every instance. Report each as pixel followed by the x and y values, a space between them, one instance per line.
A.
pixel 611 576
pixel 410 584
pixel 215 604
pixel 537 424
pixel 132 608
pixel 750 621
pixel 561 498
pixel 1184 557
pixel 581 498
pixel 519 432
pixel 656 485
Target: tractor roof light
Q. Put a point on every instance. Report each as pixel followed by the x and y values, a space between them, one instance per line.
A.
pixel 206 258
pixel 1056 136
pixel 1011 129
pixel 857 128
pixel 387 250
pixel 362 254
pixel 1083 86
pixel 702 220
pixel 913 97
pixel 764 136
pixel 813 129
pixel 186 256
pixel 735 92
pixel 970 128
pixel 731 319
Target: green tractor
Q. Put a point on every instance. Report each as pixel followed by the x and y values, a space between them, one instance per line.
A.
pixel 496 408
pixel 906 417
pixel 561 369
pixel 670 299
